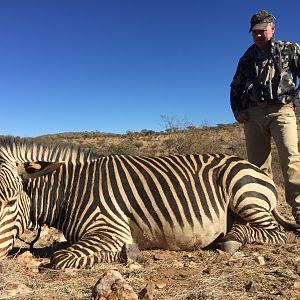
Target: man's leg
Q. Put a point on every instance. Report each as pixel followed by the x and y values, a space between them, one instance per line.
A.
pixel 283 127
pixel 258 140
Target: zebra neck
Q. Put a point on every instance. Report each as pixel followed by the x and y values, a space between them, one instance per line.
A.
pixel 46 198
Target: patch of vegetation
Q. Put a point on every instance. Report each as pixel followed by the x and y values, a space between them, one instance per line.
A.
pixel 179 136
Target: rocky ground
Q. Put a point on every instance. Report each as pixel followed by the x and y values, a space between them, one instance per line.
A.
pixel 263 272
pixel 256 272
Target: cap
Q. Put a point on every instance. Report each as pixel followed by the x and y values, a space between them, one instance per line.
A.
pixel 260 20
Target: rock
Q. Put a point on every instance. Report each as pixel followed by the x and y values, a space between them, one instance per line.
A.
pixel 251 287
pixel 147 293
pixel 161 284
pixel 260 260
pixel 207 270
pixel 14 290
pixel 35 270
pixel 112 286
pixel 28 259
pixel 237 255
pixel 133 267
pixel 25 256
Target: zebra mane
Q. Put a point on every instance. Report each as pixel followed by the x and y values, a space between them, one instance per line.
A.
pixel 26 150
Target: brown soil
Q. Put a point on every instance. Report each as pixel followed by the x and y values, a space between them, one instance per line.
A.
pixel 255 272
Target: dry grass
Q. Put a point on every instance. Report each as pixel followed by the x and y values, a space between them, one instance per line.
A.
pixel 178 275
pixel 181 275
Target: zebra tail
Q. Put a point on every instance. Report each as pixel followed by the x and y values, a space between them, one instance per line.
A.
pixel 288 225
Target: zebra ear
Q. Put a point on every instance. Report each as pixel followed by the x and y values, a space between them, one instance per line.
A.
pixel 31 170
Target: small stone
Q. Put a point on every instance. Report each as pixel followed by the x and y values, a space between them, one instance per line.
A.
pixel 260 260
pixel 237 255
pixel 28 259
pixel 25 256
pixel 111 286
pixel 147 293
pixel 207 270
pixel 134 267
pixel 160 284
pixel 35 270
pixel 15 289
pixel 251 287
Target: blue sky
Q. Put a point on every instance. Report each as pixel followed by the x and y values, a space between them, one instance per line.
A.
pixel 119 65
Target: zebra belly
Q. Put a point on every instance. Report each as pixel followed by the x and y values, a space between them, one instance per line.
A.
pixel 177 237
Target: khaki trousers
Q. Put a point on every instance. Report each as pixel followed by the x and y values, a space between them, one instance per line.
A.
pixel 277 121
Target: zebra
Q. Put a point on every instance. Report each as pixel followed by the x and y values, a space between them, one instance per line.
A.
pixel 103 203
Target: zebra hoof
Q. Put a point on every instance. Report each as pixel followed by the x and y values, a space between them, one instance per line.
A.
pixel 231 246
pixel 130 252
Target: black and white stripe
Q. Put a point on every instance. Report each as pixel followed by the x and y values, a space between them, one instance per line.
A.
pixel 103 203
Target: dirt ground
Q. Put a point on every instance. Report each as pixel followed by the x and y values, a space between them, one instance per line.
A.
pixel 256 272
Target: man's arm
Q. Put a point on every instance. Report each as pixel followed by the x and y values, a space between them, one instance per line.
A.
pixel 295 64
pixel 237 88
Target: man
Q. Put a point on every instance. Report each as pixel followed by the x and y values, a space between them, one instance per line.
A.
pixel 263 96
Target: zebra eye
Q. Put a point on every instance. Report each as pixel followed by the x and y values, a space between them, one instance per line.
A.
pixel 11 202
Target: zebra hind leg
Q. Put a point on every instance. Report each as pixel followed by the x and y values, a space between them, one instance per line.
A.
pixel 88 251
pixel 261 228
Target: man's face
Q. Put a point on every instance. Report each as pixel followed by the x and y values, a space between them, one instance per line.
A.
pixel 262 37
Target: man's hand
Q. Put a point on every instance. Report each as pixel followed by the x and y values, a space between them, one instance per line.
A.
pixel 241 116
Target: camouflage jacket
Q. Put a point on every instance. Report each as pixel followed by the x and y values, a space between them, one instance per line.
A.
pixel 269 74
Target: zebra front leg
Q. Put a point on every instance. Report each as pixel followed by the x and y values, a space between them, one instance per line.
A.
pixel 91 249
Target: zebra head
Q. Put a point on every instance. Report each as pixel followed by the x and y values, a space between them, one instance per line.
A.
pixel 14 200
